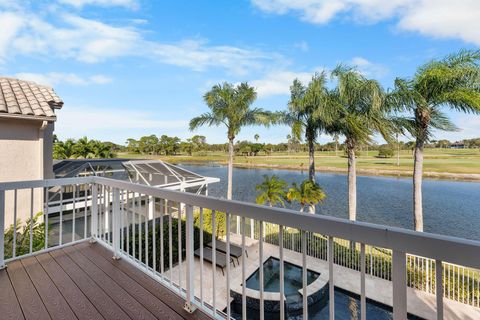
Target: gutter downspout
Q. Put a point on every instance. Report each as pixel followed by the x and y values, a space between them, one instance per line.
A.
pixel 41 138
pixel 41 144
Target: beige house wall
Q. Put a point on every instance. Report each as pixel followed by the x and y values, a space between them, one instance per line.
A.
pixel 25 154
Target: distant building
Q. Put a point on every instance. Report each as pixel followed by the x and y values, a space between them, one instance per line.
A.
pixel 458 145
pixel 27 117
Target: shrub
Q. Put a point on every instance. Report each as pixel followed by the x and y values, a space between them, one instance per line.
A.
pixel 385 151
pixel 220 231
pixel 23 236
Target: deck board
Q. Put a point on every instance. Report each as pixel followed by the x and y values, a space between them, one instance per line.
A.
pixel 9 306
pixel 53 300
pixel 104 304
pixel 142 295
pixel 83 282
pixel 28 297
pixel 159 291
pixel 83 308
pixel 131 306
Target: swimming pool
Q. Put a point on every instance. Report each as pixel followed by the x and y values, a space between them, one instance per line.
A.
pixel 347 304
pixel 271 278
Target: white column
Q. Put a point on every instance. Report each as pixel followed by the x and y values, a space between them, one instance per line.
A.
pixel 439 288
pixel 189 261
pixel 399 277
pixel 94 213
pixel 151 207
pixel 116 223
pixel 2 229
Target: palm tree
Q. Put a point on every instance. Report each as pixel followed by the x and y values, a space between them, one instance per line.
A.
pixel 230 106
pixel 309 115
pixel 271 191
pixel 361 113
pixel 256 137
pixel 305 113
pixel 335 138
pixel 453 83
pixel 307 193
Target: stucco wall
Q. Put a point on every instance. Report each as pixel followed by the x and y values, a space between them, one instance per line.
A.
pixel 25 154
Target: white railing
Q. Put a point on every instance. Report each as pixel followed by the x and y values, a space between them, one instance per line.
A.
pixel 159 230
pixel 462 284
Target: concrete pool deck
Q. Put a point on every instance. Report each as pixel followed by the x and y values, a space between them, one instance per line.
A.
pixel 419 303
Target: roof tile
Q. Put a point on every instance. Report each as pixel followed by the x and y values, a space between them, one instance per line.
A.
pixel 28 98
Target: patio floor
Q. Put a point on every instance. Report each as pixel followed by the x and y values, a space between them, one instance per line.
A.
pixel 84 282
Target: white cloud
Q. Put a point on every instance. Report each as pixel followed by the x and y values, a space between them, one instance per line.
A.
pixel 10 24
pixel 438 18
pixel 368 68
pixel 100 79
pixel 302 45
pixel 279 82
pixel 469 128
pixel 55 78
pixel 92 41
pixel 133 4
pixel 115 123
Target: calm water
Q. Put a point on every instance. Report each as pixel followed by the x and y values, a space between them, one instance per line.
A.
pixel 271 279
pixel 347 305
pixel 450 207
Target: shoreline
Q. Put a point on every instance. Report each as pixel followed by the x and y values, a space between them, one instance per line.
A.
pixel 465 177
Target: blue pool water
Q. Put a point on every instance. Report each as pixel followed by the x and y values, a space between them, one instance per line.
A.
pixel 347 305
pixel 271 276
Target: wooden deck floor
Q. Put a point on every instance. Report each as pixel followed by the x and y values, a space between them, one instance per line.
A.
pixel 84 282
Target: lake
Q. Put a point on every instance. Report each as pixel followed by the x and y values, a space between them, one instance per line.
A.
pixel 450 207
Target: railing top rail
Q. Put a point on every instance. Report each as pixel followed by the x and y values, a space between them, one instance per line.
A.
pixel 450 249
pixel 4 186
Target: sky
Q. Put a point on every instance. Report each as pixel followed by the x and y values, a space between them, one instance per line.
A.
pixel 128 68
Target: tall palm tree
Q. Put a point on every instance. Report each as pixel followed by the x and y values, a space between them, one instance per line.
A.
pixel 271 191
pixel 450 83
pixel 361 114
pixel 230 106
pixel 308 114
pixel 307 193
pixel 335 139
pixel 305 110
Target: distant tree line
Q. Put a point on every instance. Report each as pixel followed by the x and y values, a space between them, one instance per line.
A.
pixel 166 145
pixel 83 148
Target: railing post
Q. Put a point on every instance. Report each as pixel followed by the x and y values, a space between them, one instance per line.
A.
pixel 189 261
pixel 151 207
pixel 331 286
pixel 116 224
pixel 363 297
pixel 439 288
pixel 94 213
pixel 2 229
pixel 399 277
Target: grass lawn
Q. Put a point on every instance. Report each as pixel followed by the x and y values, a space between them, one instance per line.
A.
pixel 453 161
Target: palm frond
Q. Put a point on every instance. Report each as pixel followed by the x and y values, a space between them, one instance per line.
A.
pixel 207 118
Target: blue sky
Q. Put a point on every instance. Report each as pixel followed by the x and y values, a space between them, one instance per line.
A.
pixel 127 68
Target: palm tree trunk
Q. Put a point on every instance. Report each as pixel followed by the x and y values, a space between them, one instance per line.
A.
pixel 311 168
pixel 230 169
pixel 352 184
pixel 417 186
pixel 311 160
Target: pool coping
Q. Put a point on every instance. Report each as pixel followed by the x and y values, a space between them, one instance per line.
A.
pixel 312 289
